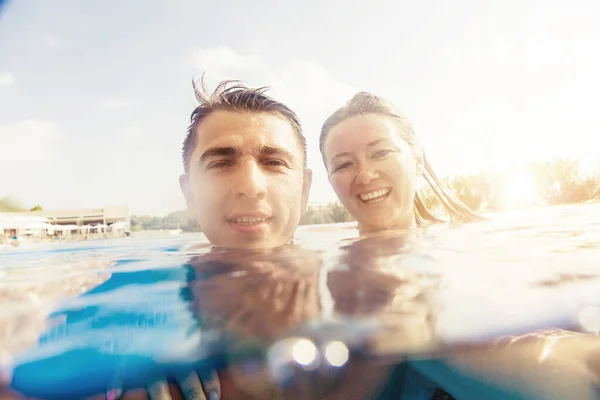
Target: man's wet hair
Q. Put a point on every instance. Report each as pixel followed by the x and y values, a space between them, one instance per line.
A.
pixel 234 96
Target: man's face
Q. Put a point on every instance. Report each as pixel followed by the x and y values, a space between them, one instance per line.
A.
pixel 246 184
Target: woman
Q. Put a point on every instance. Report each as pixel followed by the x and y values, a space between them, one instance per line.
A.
pixel 374 161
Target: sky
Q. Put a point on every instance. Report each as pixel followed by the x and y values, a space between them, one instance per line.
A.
pixel 95 99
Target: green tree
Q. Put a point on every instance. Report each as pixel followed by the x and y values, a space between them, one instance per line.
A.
pixel 315 215
pixel 338 213
pixel 471 190
pixel 135 223
pixel 10 204
pixel 327 214
pixel 560 182
pixel 36 208
pixel 174 220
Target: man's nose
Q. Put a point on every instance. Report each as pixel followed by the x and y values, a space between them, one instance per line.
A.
pixel 251 181
pixel 366 174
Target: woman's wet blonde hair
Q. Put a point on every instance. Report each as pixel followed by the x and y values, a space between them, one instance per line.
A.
pixel 366 103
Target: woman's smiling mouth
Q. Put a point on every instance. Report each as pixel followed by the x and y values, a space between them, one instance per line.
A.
pixel 374 196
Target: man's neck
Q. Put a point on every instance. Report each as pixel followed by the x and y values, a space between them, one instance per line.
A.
pixel 257 248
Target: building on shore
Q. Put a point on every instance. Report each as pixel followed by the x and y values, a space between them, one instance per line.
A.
pixel 113 221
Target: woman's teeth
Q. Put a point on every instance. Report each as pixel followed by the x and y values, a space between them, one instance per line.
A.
pixel 375 196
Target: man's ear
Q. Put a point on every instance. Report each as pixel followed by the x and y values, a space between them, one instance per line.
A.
pixel 184 185
pixel 306 184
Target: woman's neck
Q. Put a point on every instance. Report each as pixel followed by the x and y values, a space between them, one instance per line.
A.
pixel 404 224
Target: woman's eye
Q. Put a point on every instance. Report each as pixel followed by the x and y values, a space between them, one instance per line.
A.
pixel 342 166
pixel 382 153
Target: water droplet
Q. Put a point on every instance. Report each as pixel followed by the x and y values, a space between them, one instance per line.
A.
pixel 304 352
pixel 589 318
pixel 336 353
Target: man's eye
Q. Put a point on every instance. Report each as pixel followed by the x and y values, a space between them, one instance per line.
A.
pixel 342 166
pixel 276 163
pixel 219 164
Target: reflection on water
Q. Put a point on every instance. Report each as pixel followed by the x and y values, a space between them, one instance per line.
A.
pixel 276 299
pixel 467 307
pixel 28 296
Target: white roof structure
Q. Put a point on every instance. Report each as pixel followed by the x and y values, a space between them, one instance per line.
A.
pixel 24 222
pixel 27 224
pixel 66 227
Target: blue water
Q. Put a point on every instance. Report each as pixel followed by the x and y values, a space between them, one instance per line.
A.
pixel 80 318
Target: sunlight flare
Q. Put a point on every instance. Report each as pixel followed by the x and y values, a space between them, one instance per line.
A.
pixel 520 189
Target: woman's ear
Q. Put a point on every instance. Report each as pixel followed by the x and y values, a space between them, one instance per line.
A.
pixel 420 159
pixel 420 168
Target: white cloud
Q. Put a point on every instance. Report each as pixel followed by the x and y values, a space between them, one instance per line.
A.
pixel 27 142
pixel 119 104
pixel 51 41
pixel 6 79
pixel 305 86
pixel 223 62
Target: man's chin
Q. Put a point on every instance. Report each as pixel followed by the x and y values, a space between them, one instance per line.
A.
pixel 248 238
pixel 248 241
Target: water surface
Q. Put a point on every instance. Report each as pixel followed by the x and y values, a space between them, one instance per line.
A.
pixel 77 317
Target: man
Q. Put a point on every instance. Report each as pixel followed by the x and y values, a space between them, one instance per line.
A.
pixel 245 181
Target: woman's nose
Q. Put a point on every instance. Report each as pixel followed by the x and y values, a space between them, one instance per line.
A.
pixel 366 175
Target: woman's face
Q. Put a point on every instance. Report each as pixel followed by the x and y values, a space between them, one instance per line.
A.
pixel 373 172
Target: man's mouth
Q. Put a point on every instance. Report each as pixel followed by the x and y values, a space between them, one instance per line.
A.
pixel 249 220
pixel 375 196
pixel 250 223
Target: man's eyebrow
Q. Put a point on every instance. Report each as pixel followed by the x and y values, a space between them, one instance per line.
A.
pixel 229 151
pixel 218 152
pixel 276 151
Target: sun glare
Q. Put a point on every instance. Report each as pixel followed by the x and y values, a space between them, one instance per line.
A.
pixel 520 189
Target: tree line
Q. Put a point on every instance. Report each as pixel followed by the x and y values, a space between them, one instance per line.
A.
pixel 174 220
pixel 555 182
pixel 11 204
pixel 559 181
pixel 323 214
